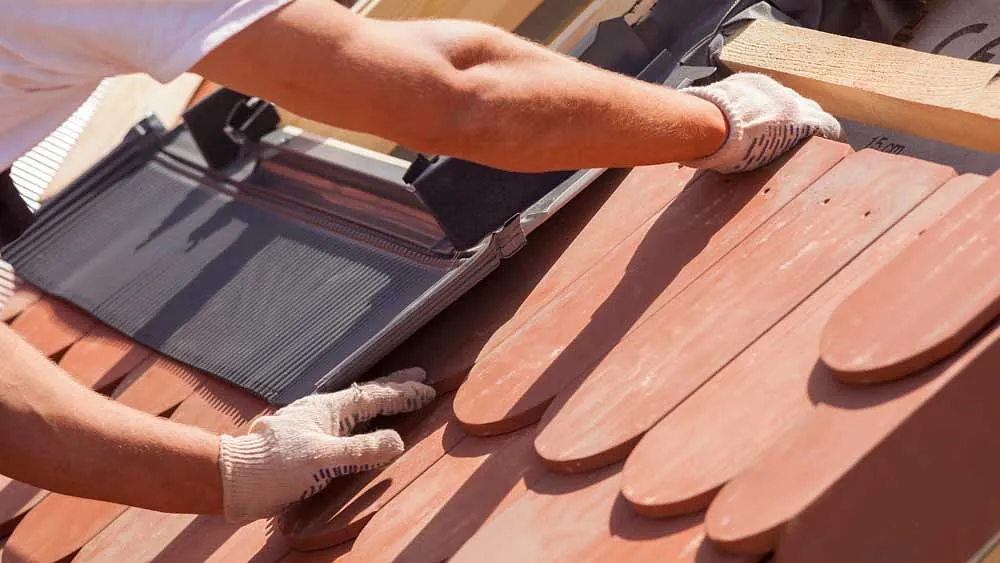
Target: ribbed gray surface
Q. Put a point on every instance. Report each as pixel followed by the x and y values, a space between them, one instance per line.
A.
pixel 257 299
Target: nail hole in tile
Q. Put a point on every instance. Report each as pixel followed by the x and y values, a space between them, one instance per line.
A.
pixel 766 190
pixel 868 213
pixel 826 201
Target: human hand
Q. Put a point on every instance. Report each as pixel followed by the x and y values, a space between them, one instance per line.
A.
pixel 295 453
pixel 765 119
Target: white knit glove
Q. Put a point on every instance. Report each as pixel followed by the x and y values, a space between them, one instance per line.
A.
pixel 295 453
pixel 765 119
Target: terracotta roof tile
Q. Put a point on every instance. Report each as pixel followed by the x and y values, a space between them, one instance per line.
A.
pixel 560 251
pixel 445 506
pixel 847 425
pixel 257 542
pixel 888 329
pixel 338 554
pixel 52 325
pixel 157 385
pixel 655 367
pixel 24 295
pixel 339 514
pixel 102 358
pixel 700 307
pixel 928 491
pixel 213 405
pixel 61 525
pixel 763 393
pixel 709 217
pixel 926 436
pixel 58 527
pixel 583 518
pixel 16 500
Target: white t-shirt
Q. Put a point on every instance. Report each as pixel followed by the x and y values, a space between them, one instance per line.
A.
pixel 53 53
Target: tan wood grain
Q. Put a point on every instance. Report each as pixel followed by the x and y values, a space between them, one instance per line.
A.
pixel 932 96
pixel 129 99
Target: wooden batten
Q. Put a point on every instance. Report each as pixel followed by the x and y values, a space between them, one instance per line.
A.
pixel 941 98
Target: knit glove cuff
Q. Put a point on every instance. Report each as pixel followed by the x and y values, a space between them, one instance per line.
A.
pixel 295 453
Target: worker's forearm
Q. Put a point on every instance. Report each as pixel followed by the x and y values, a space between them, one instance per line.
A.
pixel 60 436
pixel 463 89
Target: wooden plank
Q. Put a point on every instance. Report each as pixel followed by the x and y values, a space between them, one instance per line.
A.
pixel 689 340
pixel 728 424
pixel 914 313
pixel 128 100
pixel 364 140
pixel 936 97
pixel 582 518
pixel 709 217
pixel 506 14
pixel 912 458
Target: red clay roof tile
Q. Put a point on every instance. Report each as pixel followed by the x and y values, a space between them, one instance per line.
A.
pixel 713 213
pixel 102 358
pixel 213 405
pixel 847 425
pixel 438 512
pixel 559 252
pixel 927 303
pixel 685 343
pixel 338 514
pixel 16 500
pixel 157 385
pixel 58 527
pixel 257 542
pixel 61 525
pixel 755 424
pixel 24 296
pixel 928 491
pixel 338 554
pixel 728 424
pixel 582 518
pixel 52 325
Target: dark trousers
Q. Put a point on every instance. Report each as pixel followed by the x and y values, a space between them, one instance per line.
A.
pixel 15 217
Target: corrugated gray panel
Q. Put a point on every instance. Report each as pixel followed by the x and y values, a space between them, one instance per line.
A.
pixel 254 298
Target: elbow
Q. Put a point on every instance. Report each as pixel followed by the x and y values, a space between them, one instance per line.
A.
pixel 460 120
pixel 458 125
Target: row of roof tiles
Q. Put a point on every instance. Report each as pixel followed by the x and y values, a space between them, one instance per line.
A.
pixel 642 382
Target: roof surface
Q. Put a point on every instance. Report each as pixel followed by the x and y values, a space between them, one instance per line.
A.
pixel 641 383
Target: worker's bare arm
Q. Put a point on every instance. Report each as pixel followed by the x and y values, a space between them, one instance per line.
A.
pixel 58 435
pixel 461 88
